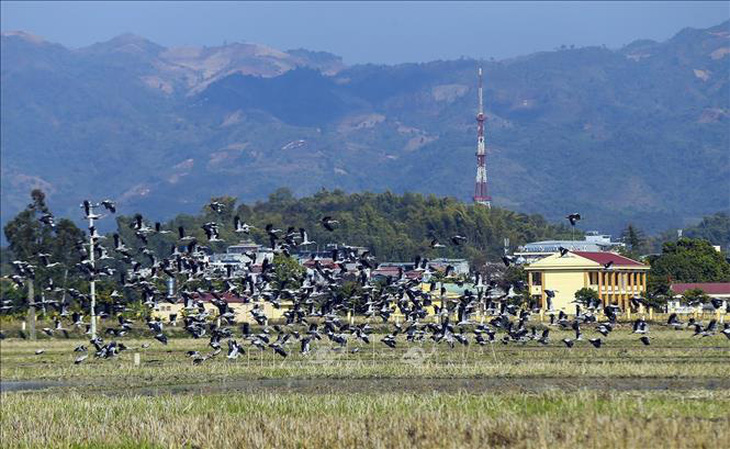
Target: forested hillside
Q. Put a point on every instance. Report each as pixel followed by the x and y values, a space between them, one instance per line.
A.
pixel 638 134
pixel 394 227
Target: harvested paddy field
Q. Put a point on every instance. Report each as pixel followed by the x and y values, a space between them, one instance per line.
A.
pixel 625 394
pixel 694 418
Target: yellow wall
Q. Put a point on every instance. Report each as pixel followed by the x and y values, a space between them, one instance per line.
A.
pixel 568 274
pixel 242 311
pixel 565 284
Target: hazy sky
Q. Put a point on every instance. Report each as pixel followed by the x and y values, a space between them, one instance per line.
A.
pixel 366 31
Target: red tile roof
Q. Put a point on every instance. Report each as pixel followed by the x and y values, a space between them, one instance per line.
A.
pixel 324 263
pixel 711 288
pixel 386 270
pixel 604 257
pixel 228 297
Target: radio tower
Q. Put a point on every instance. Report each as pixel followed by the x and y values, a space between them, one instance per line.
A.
pixel 480 187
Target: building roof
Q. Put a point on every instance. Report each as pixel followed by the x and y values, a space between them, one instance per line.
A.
pixel 584 260
pixel 324 263
pixel 711 288
pixel 604 257
pixel 226 296
pixel 552 246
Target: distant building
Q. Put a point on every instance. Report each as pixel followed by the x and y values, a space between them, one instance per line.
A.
pixel 461 266
pixel 593 242
pixel 237 256
pixel 304 254
pixel 393 269
pixel 624 279
pixel 715 290
pixel 240 306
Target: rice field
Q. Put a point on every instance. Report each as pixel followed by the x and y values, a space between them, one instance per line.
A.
pixel 673 393
pixel 388 420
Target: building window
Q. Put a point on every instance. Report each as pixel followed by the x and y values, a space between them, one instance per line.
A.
pixel 536 278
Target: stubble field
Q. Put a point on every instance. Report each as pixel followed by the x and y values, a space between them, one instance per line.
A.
pixel 673 393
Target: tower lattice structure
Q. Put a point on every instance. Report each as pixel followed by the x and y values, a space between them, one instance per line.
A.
pixel 480 187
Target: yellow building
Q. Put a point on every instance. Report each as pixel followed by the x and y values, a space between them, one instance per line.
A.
pixel 616 278
pixel 242 310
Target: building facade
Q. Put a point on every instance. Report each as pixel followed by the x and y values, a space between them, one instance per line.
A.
pixel 616 278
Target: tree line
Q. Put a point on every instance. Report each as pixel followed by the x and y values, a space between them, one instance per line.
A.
pixel 393 227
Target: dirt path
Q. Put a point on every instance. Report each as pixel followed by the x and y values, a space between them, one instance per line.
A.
pixel 325 386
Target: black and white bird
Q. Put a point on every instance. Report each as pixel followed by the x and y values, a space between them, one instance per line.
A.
pixel 674 322
pixel 45 261
pixel 596 342
pixel 305 238
pixel 159 230
pixel 217 207
pixel 109 205
pixel 182 236
pixel 328 223
pixel 640 326
pixel 240 226
pixel 458 240
pixel 573 218
pixel 88 211
pixel 435 244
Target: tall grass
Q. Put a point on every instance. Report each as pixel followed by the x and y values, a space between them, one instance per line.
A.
pixel 392 420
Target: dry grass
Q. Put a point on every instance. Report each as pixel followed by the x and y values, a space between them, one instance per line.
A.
pixel 377 397
pixel 393 420
pixel 673 354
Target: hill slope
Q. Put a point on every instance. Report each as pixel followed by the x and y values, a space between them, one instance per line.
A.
pixel 639 133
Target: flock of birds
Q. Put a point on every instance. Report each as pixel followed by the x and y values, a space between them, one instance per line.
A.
pixel 317 300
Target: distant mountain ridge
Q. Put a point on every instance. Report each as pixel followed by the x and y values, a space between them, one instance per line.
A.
pixel 636 134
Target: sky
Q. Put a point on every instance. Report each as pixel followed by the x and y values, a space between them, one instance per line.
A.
pixel 367 32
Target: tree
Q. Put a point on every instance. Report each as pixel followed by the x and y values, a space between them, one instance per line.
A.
pixel 27 237
pixel 634 240
pixel 515 274
pixel 658 287
pixel 695 296
pixel 587 297
pixel 287 272
pixel 690 260
pixel 715 229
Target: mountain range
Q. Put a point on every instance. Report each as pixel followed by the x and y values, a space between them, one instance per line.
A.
pixel 637 134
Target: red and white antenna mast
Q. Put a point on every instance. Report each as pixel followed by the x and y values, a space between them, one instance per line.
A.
pixel 480 187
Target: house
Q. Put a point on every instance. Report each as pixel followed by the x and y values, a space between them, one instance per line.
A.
pixel 715 290
pixel 616 278
pixel 237 257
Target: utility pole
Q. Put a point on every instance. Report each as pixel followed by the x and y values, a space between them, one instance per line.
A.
pixel 91 216
pixel 92 284
pixel 31 308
